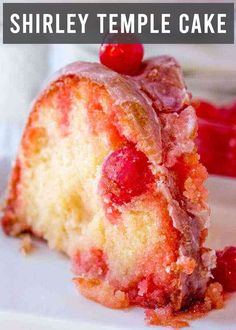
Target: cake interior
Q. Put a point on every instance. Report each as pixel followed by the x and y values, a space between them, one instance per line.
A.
pixel 67 139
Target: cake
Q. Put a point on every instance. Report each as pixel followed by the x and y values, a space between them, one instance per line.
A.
pixel 108 173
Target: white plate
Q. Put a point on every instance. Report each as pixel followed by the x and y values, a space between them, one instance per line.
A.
pixel 36 292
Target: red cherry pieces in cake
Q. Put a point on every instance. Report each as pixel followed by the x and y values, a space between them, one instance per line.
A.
pixel 125 174
pixel 92 262
pixel 122 58
pixel 225 271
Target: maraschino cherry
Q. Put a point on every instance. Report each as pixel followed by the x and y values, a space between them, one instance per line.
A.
pixel 225 271
pixel 125 174
pixel 122 58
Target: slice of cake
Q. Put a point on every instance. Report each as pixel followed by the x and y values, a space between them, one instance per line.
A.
pixel 108 173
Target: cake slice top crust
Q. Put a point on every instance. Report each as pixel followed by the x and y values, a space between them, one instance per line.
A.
pixel 161 80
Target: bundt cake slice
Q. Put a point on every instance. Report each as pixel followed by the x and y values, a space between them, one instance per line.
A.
pixel 108 173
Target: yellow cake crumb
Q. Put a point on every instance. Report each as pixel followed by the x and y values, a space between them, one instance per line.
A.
pixel 26 244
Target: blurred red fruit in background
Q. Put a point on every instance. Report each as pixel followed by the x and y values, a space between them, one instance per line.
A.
pixel 216 139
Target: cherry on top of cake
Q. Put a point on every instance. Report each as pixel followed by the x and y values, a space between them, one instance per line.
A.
pixel 122 58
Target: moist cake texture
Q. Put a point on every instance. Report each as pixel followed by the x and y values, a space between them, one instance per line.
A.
pixel 108 173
